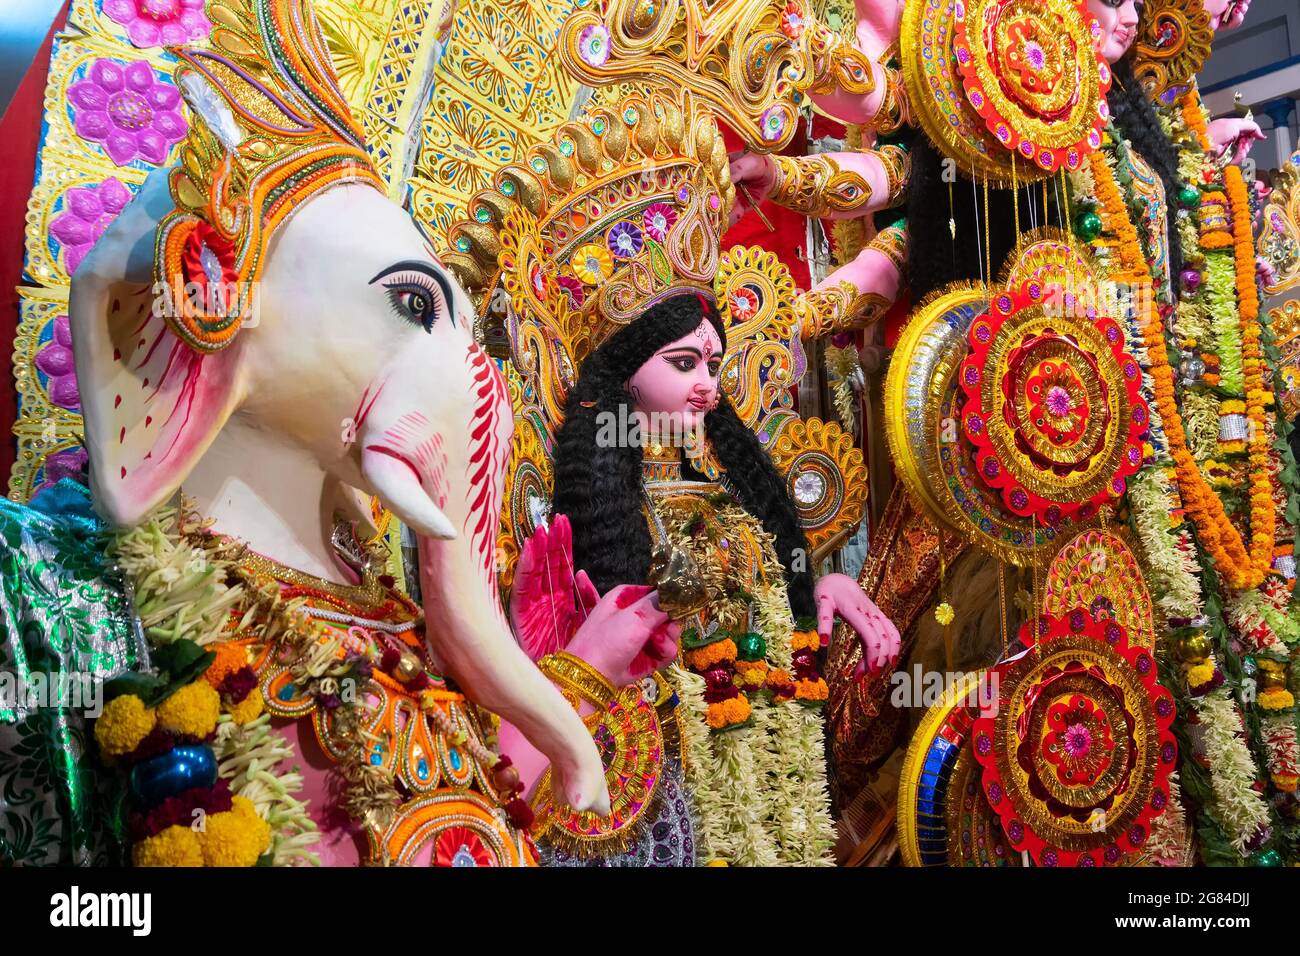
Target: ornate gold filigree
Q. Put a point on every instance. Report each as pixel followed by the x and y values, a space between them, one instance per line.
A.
pixel 1172 45
pixel 827 479
pixel 1279 243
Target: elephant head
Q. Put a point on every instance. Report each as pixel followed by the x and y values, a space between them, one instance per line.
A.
pixel 269 285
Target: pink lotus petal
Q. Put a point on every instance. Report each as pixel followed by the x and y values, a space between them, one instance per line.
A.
pixel 72 256
pixel 70 230
pixel 64 392
pixel 63 331
pixel 121 11
pixel 174 34
pixel 171 125
pixel 85 95
pixel 152 146
pixel 140 76
pixel 54 360
pixel 198 25
pixel 144 33
pixel 83 203
pixel 113 195
pixel 164 96
pixel 108 74
pixel 92 125
pixel 121 147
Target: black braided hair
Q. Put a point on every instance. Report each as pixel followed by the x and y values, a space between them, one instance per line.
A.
pixel 598 484
pixel 1135 117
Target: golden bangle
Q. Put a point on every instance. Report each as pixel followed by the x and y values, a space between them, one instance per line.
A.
pixel 575 676
pixel 838 308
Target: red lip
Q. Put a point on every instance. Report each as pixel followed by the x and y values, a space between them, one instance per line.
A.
pixel 700 403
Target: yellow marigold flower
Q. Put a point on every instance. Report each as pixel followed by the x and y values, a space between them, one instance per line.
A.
pixel 192 710
pixel 245 806
pixel 944 614
pixel 1200 674
pixel 175 846
pixel 123 724
pixel 248 709
pixel 1276 698
pixel 234 839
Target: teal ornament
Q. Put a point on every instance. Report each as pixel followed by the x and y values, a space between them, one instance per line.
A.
pixel 168 774
pixel 1087 226
pixel 751 647
pixel 1267 858
pixel 1189 196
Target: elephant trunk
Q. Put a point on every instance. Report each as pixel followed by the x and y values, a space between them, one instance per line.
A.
pixel 448 488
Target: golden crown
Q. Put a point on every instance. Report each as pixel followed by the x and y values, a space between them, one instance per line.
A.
pixel 270 128
pixel 614 214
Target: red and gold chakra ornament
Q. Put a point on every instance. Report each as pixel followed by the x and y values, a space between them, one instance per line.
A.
pixel 1076 760
pixel 1053 404
pixel 1030 68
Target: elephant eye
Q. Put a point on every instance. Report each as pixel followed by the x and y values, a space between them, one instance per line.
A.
pixel 418 292
pixel 414 301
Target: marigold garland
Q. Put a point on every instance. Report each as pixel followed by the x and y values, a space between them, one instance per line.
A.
pixel 1241 568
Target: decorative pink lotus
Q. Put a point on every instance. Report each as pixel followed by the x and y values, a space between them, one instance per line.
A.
pixel 129 111
pixel 87 212
pixel 55 360
pixel 160 22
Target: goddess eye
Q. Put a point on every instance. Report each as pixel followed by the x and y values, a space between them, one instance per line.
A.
pixel 715 366
pixel 683 363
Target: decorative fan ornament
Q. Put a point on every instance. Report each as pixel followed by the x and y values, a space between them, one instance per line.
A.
pixel 1031 69
pixel 923 414
pixel 1076 761
pixel 1172 45
pixel 1096 570
pixel 934 91
pixel 1053 405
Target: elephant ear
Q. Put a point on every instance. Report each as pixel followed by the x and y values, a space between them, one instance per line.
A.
pixel 152 405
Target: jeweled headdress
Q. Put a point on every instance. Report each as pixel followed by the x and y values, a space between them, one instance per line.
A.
pixel 616 213
pixel 271 129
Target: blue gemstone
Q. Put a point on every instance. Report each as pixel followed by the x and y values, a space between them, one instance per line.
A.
pixel 456 761
pixel 422 769
pixel 286 692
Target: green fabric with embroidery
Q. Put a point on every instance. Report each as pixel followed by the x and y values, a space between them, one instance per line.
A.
pixel 65 629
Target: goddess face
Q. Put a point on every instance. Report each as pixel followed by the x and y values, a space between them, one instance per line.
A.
pixel 1119 24
pixel 678 386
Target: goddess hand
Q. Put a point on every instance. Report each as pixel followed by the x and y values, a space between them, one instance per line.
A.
pixel 839 594
pixel 1236 136
pixel 627 637
pixel 754 172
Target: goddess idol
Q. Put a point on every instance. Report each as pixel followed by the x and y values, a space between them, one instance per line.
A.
pixel 621 306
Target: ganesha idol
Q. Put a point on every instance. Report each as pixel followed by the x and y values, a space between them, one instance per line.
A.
pixel 240 352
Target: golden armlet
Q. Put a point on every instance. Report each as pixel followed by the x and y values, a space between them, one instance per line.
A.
pixel 816 186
